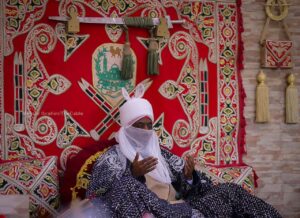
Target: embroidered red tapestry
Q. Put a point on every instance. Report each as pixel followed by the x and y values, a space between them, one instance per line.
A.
pixel 61 91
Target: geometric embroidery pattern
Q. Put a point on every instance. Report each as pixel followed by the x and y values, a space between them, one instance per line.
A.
pixel 205 148
pixel 200 21
pixel 204 102
pixel 37 178
pixel 277 54
pixel 19 92
pixel 70 131
pixel 71 42
pixel 56 84
pixel 182 46
pixel 20 17
pixel 242 175
pixel 42 130
pixel 228 104
pixel 113 31
pixel 17 145
pixel 164 137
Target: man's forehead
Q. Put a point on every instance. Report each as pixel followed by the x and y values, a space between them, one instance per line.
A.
pixel 144 120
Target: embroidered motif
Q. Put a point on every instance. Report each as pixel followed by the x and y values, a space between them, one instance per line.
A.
pixel 200 21
pixel 71 42
pixel 164 137
pixel 277 54
pixel 42 130
pixel 37 178
pixel 20 17
pixel 18 146
pixel 106 67
pixel 205 148
pixel 70 131
pixel 170 89
pixel 181 45
pixel 204 100
pixel 68 153
pixel 102 7
pixel 105 7
pixel 242 175
pixel 19 92
pixel 64 8
pixel 56 84
pixel 228 103
pixel 113 31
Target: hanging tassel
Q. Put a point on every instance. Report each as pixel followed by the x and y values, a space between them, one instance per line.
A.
pixel 152 67
pixel 127 62
pixel 262 99
pixel 291 102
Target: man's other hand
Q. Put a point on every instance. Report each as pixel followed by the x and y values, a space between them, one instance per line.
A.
pixel 140 168
pixel 189 167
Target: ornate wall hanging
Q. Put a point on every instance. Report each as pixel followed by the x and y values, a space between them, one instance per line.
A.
pixel 276 53
pixel 63 90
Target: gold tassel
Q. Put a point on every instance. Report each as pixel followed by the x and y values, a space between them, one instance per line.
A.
pixel 127 62
pixel 262 99
pixel 291 102
pixel 152 64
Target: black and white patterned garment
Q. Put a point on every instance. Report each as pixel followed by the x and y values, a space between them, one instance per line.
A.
pixel 116 193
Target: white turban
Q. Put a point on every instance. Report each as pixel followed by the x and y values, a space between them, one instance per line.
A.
pixel 132 140
pixel 135 109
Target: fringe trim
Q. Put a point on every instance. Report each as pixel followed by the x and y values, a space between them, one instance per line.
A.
pixel 242 94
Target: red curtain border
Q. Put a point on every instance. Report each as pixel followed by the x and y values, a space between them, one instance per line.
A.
pixel 242 94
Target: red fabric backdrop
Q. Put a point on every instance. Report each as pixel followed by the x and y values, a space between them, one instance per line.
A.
pixel 197 98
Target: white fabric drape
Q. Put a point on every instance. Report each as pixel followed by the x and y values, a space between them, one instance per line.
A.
pixel 145 142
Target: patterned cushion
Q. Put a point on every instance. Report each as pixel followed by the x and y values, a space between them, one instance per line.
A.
pixel 37 178
pixel 242 175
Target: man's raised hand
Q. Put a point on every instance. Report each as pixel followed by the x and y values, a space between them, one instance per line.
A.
pixel 140 168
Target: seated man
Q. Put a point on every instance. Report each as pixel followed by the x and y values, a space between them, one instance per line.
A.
pixel 137 177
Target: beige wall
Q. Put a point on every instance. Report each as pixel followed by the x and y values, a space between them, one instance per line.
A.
pixel 273 149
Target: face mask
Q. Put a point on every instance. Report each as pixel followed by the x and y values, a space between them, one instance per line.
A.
pixel 139 138
pixel 145 142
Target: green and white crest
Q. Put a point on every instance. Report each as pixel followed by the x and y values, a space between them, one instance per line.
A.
pixel 106 68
